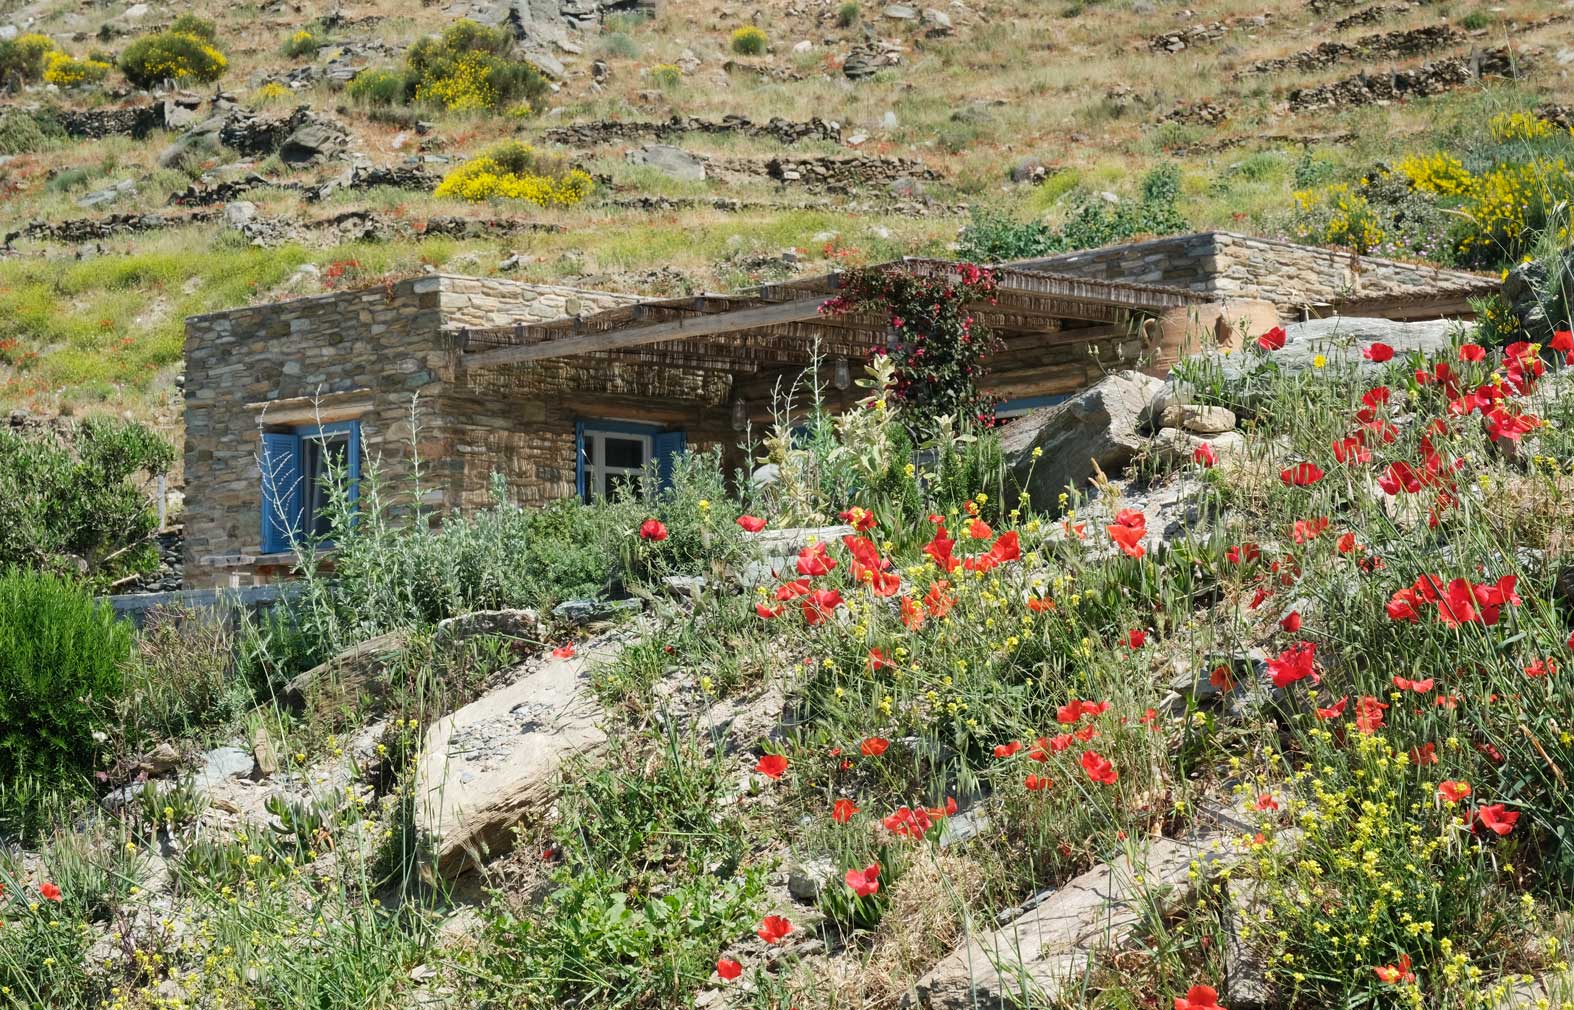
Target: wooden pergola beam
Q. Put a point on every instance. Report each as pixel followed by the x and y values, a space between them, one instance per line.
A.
pixel 687 327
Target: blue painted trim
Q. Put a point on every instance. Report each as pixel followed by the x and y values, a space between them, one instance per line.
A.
pixel 659 438
pixel 276 538
pixel 579 460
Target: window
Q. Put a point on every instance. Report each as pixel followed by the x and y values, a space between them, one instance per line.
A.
pixel 296 467
pixel 1010 409
pixel 612 454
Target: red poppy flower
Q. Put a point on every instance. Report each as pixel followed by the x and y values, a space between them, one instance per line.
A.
pixel 863 882
pixel 768 613
pixel 773 928
pixel 1242 553
pixel 1302 474
pixel 1293 664
pixel 1266 802
pixel 1562 341
pixel 1369 715
pixel 937 602
pixel 1306 530
pixel 1221 679
pixel 858 518
pixel 874 746
pixel 1418 686
pixel 1335 710
pixel 1136 638
pixel 1273 340
pixel 907 822
pixel 1099 768
pixel 772 766
pixel 842 811
pixel 1541 667
pixel 792 590
pixel 1291 622
pixel 1040 604
pixel 813 561
pixel 751 524
pixel 1378 352
pixel 1426 754
pixel 1346 543
pixel 1472 352
pixel 1204 455
pixel 1495 819
pixel 878 660
pixel 1394 974
pixel 652 529
pixel 565 651
pixel 1199 997
pixel 1453 791
pixel 51 892
pixel 1038 783
pixel 979 530
pixel 728 969
pixel 819 605
pixel 1127 532
pixel 939 548
pixel 912 614
pixel 1005 750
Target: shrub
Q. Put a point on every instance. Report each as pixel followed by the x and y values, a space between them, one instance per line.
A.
pixel 302 43
pixel 172 55
pixel 68 71
pixel 516 171
pixel 24 56
pixel 67 499
pixel 200 27
pixel 621 45
pixel 749 41
pixel 24 132
pixel 992 237
pixel 179 679
pixel 665 75
pixel 378 86
pixel 847 14
pixel 467 69
pixel 61 657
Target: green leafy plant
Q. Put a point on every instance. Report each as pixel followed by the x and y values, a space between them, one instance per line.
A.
pixel 749 41
pixel 847 14
pixel 174 55
pixel 993 237
pixel 62 657
pixel 468 68
pixel 25 56
pixel 301 43
pixel 70 497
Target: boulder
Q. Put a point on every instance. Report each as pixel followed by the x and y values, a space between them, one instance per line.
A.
pixel 1539 299
pixel 495 761
pixel 1048 948
pixel 1198 419
pixel 672 162
pixel 521 624
pixel 1340 340
pixel 1096 427
pixel 223 763
pixel 198 142
pixel 356 669
pixel 315 140
pixel 1173 447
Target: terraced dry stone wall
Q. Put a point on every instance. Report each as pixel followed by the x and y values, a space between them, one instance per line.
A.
pixel 783 131
pixel 1431 79
pixel 1239 266
pixel 353 355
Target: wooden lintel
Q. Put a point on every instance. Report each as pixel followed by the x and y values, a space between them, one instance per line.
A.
pixel 652 333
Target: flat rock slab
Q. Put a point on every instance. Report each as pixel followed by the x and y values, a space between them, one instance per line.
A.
pixel 1044 951
pixel 485 767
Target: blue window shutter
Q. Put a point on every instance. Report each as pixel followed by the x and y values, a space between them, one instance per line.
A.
pixel 664 446
pixel 579 459
pixel 281 490
pixel 354 475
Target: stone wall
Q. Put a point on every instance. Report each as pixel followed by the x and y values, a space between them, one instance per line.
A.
pixel 365 355
pixel 1295 277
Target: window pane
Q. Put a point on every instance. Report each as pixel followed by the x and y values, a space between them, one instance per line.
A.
pixel 323 455
pixel 624 452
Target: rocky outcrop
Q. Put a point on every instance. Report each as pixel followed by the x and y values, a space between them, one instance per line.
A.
pixel 1538 292
pixel 1099 427
pixel 495 761
pixel 1184 38
pixel 360 669
pixel 1047 949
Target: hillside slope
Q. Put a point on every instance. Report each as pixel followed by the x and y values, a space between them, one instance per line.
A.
pixel 861 132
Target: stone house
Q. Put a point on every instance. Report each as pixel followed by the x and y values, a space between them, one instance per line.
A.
pixel 564 391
